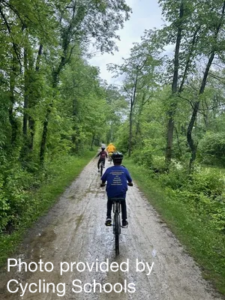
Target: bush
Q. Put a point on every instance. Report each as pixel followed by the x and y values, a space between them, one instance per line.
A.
pixel 204 194
pixel 175 179
pixel 14 200
pixel 143 157
pixel 208 183
pixel 212 148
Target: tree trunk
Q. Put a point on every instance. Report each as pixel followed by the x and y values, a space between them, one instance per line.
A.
pixel 12 119
pixel 141 107
pixel 132 102
pixel 31 121
pixel 172 109
pixel 178 143
pixel 190 140
pixel 46 122
pixel 44 135
pixel 92 141
pixel 55 75
pixel 25 104
pixel 169 136
pixel 130 128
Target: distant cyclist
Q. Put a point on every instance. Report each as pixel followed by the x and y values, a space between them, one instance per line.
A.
pixel 102 156
pixel 110 149
pixel 117 177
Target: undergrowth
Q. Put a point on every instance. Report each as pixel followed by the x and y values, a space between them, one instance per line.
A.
pixel 194 209
pixel 31 197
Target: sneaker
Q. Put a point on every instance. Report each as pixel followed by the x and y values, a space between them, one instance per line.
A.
pixel 108 222
pixel 124 223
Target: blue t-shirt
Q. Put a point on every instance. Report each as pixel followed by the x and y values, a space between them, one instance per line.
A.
pixel 116 177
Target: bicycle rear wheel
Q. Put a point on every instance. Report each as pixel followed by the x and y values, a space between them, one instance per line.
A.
pixel 117 232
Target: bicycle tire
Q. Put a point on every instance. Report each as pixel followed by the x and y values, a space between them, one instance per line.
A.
pixel 117 232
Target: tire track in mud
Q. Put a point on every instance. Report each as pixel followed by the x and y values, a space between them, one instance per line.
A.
pixel 74 231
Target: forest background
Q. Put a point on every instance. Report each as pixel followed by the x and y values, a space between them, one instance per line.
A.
pixel 167 115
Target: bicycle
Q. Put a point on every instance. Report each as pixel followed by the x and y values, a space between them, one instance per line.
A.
pixel 117 219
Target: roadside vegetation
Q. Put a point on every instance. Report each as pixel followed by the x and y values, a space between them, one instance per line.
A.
pixel 52 102
pixel 190 212
pixel 37 194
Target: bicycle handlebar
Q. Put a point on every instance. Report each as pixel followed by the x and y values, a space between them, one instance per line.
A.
pixel 129 183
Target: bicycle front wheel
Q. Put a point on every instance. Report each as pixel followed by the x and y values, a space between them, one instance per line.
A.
pixel 117 232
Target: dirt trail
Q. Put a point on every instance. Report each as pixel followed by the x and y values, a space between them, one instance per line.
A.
pixel 74 231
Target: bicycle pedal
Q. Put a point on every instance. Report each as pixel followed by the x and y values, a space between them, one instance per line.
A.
pixel 108 224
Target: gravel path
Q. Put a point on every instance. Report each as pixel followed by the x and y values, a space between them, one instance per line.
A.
pixel 73 233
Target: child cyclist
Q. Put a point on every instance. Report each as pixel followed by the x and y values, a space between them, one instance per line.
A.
pixel 102 156
pixel 110 149
pixel 117 178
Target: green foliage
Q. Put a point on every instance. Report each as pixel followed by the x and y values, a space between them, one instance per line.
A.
pixel 115 112
pixel 14 200
pixel 143 157
pixel 28 197
pixel 205 192
pixel 212 148
pixel 52 102
pixel 122 138
pixel 209 183
pixel 173 180
pixel 158 162
pixel 202 192
pixel 193 207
